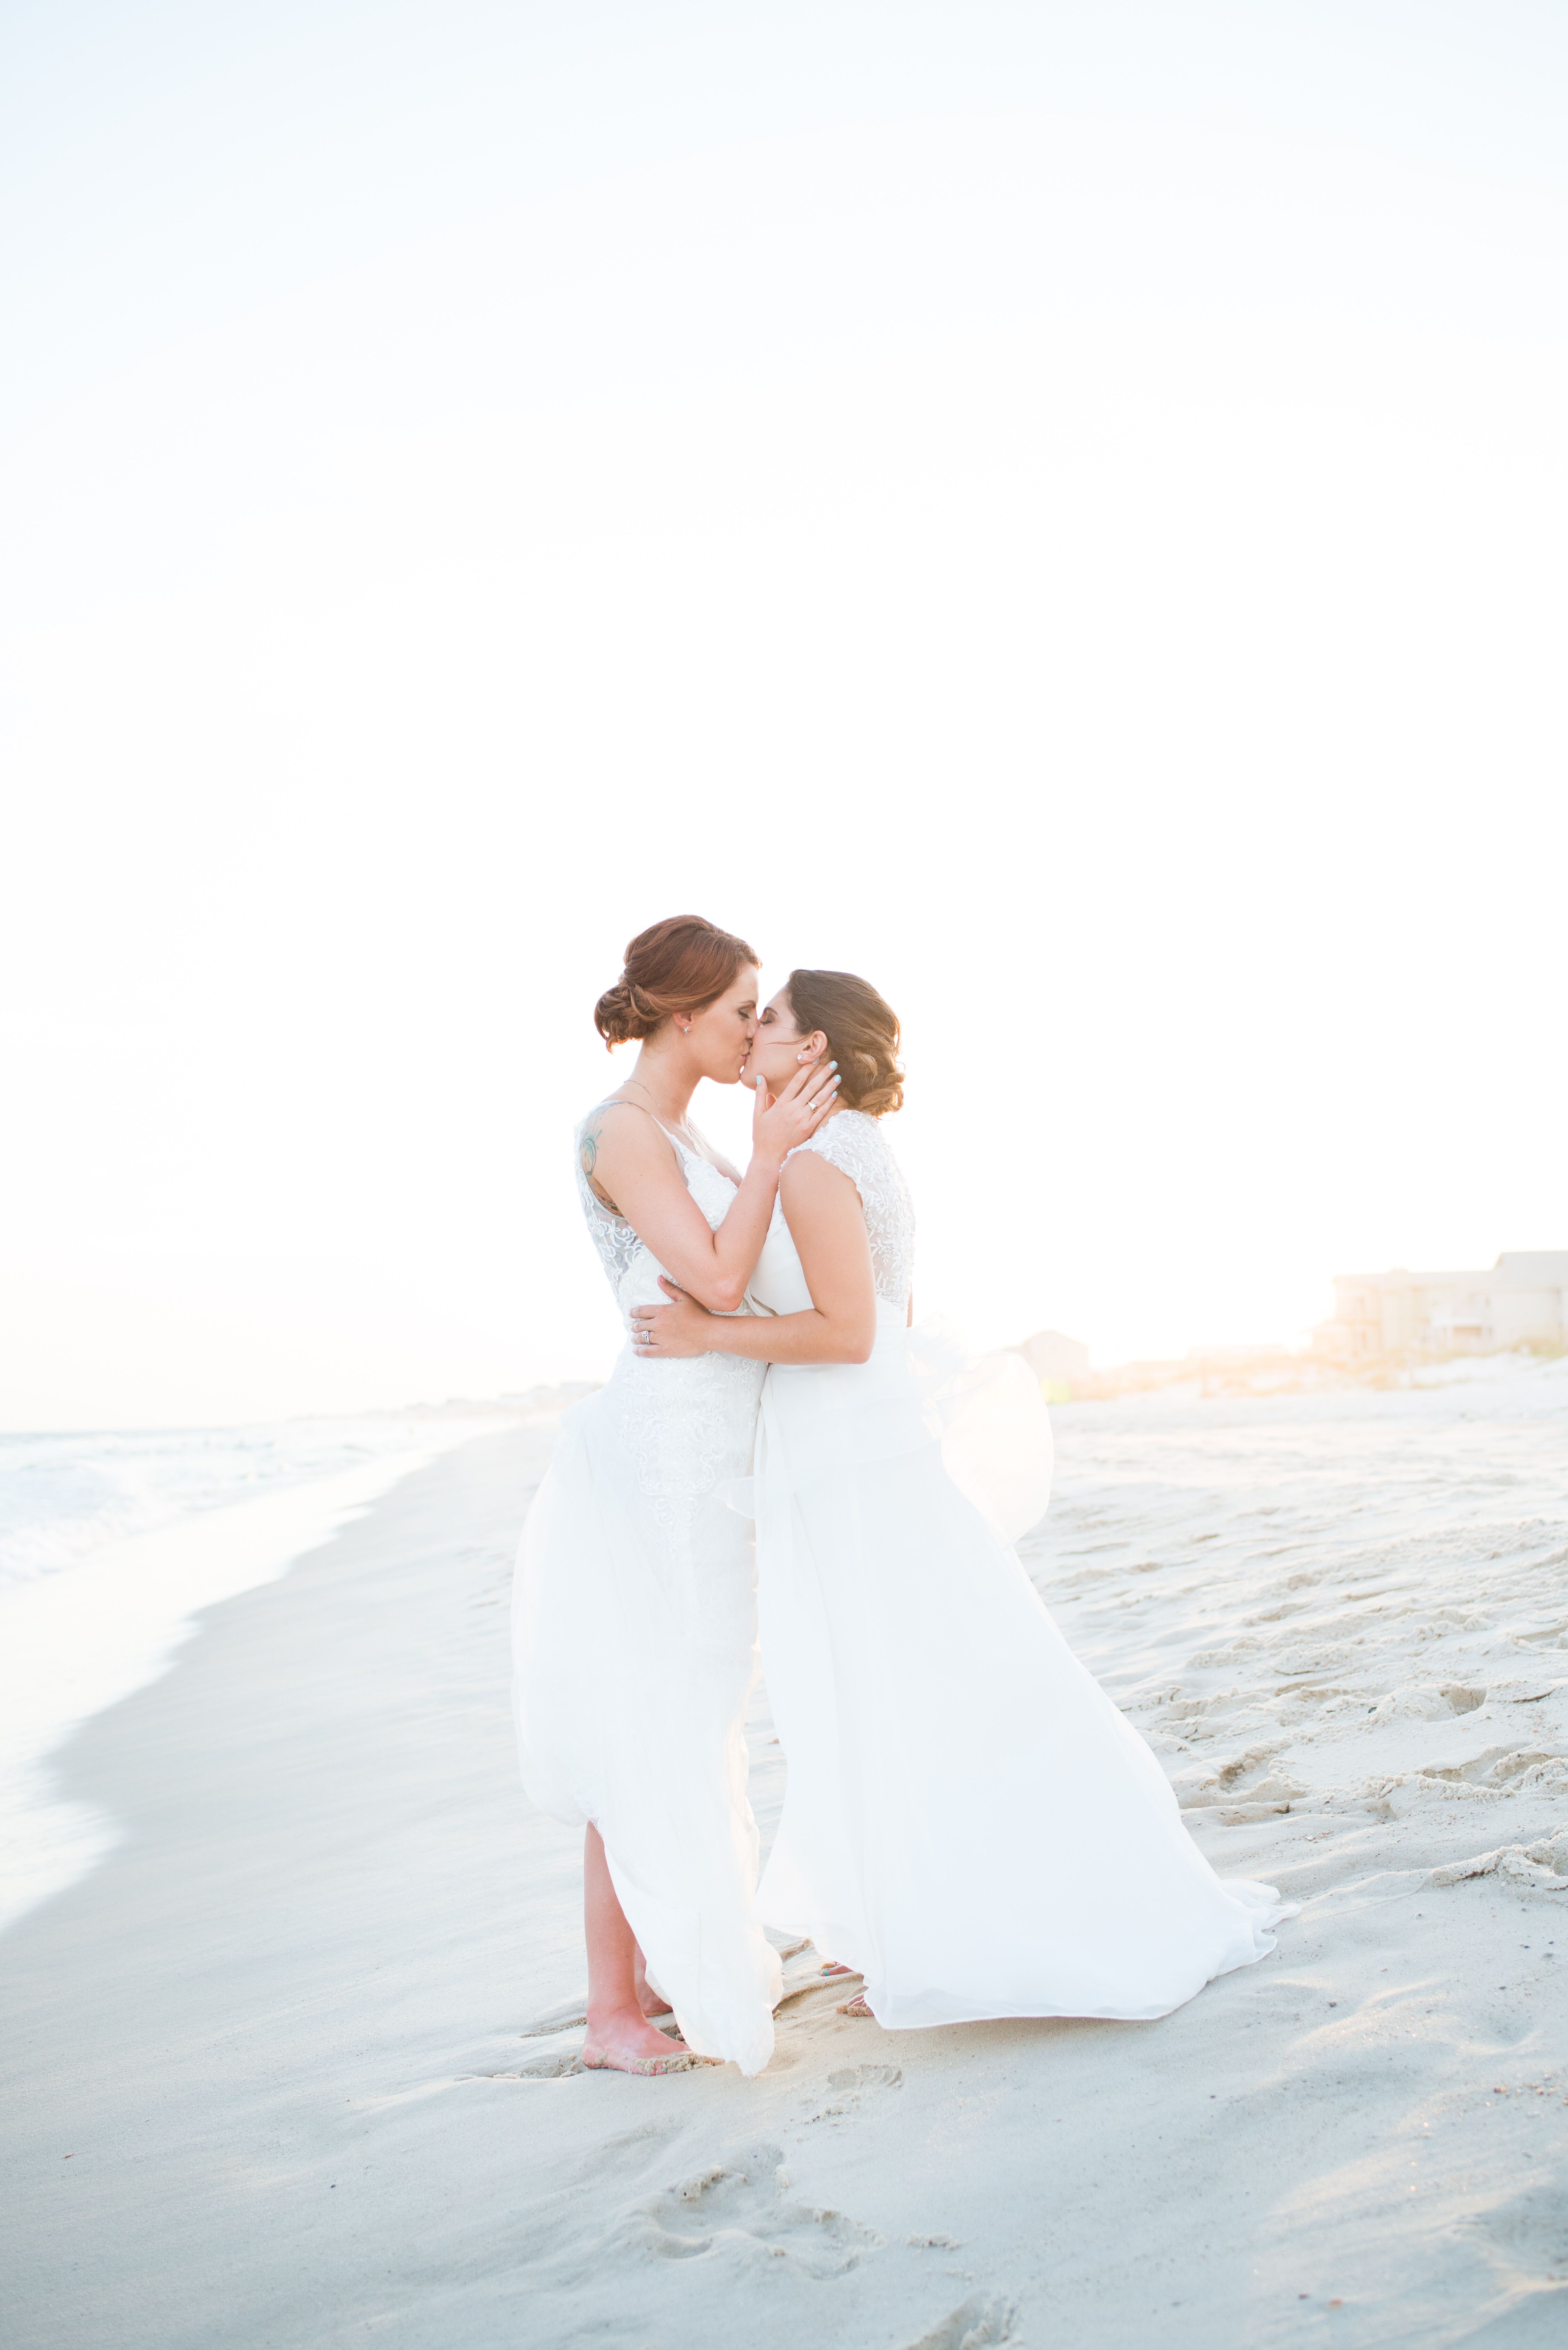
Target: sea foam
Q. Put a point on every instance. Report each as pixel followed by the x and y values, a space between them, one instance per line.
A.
pixel 110 1545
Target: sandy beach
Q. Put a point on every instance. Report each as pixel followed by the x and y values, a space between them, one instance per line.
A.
pixel 293 2063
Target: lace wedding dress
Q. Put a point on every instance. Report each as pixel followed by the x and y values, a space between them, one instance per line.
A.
pixel 970 1821
pixel 634 1634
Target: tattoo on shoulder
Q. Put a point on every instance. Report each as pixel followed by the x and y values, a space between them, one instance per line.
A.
pixel 588 1148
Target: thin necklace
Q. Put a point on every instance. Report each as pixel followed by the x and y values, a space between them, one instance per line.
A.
pixel 680 1124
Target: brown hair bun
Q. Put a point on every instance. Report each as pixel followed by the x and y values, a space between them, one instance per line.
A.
pixel 862 1032
pixel 680 965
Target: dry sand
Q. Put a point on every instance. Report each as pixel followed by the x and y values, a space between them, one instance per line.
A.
pixel 294 2064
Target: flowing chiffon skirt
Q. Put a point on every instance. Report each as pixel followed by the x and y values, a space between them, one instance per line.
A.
pixel 634 1650
pixel 969 1822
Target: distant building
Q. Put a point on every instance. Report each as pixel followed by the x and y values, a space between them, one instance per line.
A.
pixel 1521 1302
pixel 1055 1359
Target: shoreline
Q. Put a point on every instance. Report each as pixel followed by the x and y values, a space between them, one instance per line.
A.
pixel 77 1639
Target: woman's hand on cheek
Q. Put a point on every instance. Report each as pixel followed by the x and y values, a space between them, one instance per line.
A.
pixel 672 1331
pixel 781 1122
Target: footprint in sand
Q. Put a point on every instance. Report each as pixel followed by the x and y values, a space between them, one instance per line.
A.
pixel 742 2211
pixel 983 2319
pixel 848 2086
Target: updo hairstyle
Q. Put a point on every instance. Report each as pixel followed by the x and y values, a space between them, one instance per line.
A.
pixel 680 965
pixel 862 1034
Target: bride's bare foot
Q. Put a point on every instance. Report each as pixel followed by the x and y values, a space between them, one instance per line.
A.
pixel 651 2002
pixel 620 2038
pixel 624 2041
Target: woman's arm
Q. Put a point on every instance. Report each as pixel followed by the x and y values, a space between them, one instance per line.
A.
pixel 632 1165
pixel 827 1224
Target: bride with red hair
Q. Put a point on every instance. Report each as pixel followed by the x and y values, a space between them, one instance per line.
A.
pixel 635 1622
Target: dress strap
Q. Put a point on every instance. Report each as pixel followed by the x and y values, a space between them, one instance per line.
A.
pixel 615 1101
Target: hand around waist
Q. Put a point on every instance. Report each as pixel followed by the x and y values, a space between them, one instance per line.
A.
pixel 677 1328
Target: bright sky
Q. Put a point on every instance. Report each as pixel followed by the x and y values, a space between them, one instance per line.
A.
pixel 1060 509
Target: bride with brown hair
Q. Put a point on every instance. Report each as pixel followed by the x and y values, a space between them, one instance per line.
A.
pixel 970 1823
pixel 634 1616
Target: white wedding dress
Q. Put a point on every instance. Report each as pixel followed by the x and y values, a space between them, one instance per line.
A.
pixel 969 1820
pixel 634 1633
